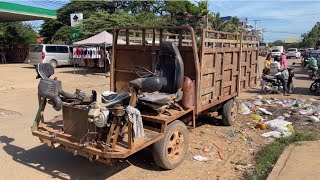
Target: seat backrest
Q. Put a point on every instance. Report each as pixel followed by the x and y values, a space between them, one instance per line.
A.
pixel 44 70
pixel 170 67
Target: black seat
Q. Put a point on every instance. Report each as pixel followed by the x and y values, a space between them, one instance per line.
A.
pixel 168 84
pixel 170 68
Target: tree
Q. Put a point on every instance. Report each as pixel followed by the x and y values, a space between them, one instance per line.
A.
pixel 49 29
pixel 63 35
pixel 17 32
pixel 311 38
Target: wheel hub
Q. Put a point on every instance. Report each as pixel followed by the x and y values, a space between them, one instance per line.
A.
pixel 175 146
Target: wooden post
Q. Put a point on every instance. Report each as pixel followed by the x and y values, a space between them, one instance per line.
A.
pixel 143 37
pixel 239 64
pixel 160 36
pixel 127 37
pixel 180 38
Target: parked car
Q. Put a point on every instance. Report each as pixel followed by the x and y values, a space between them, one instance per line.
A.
pixel 293 52
pixel 275 52
pixel 56 55
pixel 303 51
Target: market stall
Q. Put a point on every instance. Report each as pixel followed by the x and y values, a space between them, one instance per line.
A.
pixel 94 51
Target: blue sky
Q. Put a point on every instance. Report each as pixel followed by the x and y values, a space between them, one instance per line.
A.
pixel 281 19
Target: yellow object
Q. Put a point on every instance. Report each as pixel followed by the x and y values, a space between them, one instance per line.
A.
pixel 262 126
pixel 255 117
pixel 290 127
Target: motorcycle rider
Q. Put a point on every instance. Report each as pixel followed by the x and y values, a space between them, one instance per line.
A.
pixel 267 62
pixel 313 63
pixel 276 70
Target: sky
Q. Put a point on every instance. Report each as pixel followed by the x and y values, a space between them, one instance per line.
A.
pixel 280 19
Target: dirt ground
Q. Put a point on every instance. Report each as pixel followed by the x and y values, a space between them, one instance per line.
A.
pixel 24 157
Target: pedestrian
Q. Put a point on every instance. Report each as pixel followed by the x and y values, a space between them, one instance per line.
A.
pixel 3 57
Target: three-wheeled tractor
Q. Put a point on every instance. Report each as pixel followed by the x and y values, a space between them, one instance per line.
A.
pixel 162 78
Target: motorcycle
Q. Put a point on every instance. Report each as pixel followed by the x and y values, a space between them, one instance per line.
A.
pixel 315 86
pixel 271 84
pixel 312 72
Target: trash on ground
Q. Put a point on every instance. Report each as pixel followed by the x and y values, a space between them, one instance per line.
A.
pixel 278 125
pixel 256 117
pixel 265 111
pixel 244 109
pixel 314 119
pixel 276 134
pixel 200 158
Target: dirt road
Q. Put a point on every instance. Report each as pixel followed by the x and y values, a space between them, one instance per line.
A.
pixel 24 157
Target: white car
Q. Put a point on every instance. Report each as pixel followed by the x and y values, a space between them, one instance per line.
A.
pixel 56 55
pixel 293 53
pixel 275 52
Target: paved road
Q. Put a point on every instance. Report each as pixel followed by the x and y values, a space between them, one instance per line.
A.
pixel 298 161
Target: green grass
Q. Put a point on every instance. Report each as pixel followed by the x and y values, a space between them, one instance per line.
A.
pixel 269 155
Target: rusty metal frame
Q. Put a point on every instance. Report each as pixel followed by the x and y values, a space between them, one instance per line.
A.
pixel 241 44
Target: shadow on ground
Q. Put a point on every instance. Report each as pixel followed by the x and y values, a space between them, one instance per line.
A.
pixel 63 165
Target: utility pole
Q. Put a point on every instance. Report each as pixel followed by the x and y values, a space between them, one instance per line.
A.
pixel 255 23
pixel 207 20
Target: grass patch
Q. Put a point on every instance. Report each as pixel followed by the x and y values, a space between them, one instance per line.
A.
pixel 269 155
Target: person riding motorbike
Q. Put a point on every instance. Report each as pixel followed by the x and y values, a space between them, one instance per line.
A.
pixel 313 65
pixel 276 70
pixel 267 62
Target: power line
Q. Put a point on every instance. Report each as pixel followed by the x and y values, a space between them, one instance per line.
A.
pixel 282 32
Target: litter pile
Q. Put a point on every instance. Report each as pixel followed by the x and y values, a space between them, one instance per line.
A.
pixel 278 115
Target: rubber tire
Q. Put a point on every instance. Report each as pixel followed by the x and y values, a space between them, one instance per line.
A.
pixel 159 150
pixel 226 112
pixel 314 90
pixel 53 63
pixel 291 88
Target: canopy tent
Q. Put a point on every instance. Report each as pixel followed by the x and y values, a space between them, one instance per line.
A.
pixel 103 38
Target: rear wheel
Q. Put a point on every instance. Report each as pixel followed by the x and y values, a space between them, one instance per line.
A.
pixel 53 63
pixel 229 112
pixel 171 150
pixel 315 86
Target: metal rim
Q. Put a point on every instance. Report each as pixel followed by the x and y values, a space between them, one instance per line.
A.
pixel 315 86
pixel 175 146
pixel 234 111
pixel 53 63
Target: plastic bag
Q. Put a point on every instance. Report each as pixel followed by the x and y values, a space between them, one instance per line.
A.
pixel 314 119
pixel 265 111
pixel 244 109
pixel 200 158
pixel 276 134
pixel 278 125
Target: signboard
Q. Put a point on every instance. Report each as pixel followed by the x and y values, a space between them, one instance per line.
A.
pixel 75 32
pixel 75 19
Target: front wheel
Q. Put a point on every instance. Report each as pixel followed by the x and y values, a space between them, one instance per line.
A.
pixel 229 112
pixel 171 150
pixel 315 86
pixel 53 63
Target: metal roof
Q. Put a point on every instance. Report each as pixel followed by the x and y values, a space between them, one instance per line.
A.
pixel 16 12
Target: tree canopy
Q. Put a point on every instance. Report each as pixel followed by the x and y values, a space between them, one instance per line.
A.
pixel 312 38
pixel 107 15
pixel 17 32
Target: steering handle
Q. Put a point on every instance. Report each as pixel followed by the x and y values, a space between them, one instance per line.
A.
pixel 144 69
